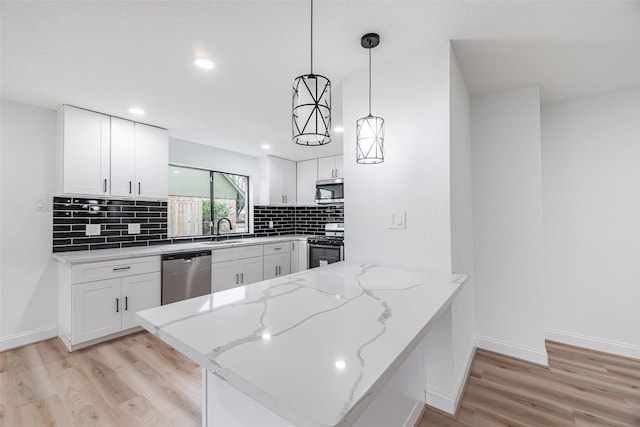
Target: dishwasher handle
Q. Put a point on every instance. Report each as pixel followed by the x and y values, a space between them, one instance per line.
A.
pixel 185 256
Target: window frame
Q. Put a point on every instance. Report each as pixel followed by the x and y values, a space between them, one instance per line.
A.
pixel 212 221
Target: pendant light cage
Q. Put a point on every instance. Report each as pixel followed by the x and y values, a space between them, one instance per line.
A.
pixel 370 129
pixel 370 140
pixel 311 110
pixel 311 106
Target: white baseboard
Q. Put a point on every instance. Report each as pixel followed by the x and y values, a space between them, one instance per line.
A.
pixel 415 414
pixel 24 338
pixel 530 354
pixel 593 343
pixel 449 404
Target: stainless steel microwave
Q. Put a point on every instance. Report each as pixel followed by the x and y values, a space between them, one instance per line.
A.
pixel 330 191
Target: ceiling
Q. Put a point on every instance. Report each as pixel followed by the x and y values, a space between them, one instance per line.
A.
pixel 110 55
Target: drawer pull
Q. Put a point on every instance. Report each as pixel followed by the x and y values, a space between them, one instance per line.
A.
pixel 279 248
pixel 122 268
pixel 126 303
pixel 117 305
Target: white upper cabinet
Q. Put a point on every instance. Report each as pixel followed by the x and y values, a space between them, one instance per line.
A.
pixel 307 175
pixel 330 167
pixel 152 162
pixel 277 182
pixel 123 157
pixel 83 152
pixel 109 156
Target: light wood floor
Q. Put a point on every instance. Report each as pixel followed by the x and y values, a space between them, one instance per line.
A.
pixel 136 381
pixel 580 388
pixel 139 381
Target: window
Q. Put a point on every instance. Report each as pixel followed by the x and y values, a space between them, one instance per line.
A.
pixel 192 193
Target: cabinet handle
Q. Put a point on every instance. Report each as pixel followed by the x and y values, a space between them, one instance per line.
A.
pixel 126 303
pixel 122 268
pixel 139 188
pixel 279 270
pixel 276 270
pixel 285 198
pixel 241 277
pixel 130 187
pixel 293 248
pixel 104 186
pixel 117 305
pixel 237 279
pixel 278 248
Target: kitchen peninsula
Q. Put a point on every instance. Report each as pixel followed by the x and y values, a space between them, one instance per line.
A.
pixel 340 345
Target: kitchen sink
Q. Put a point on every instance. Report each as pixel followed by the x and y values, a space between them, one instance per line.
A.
pixel 225 242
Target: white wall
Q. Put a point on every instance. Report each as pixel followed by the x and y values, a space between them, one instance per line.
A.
pixel 507 223
pixel 186 153
pixel 412 95
pixel 463 321
pixel 591 189
pixel 422 98
pixel 27 273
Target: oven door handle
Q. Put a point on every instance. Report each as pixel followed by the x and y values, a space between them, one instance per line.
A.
pixel 314 245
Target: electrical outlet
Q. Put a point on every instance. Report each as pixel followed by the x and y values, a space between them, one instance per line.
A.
pixel 270 224
pixel 133 229
pixel 397 220
pixel 92 230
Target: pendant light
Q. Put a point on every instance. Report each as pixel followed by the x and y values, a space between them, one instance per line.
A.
pixel 370 129
pixel 311 106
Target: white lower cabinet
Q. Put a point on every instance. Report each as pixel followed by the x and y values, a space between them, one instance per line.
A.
pixel 277 260
pixel 229 274
pixel 299 261
pixel 99 300
pixel 235 267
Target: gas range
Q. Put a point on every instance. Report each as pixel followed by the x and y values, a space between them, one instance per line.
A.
pixel 326 249
pixel 333 236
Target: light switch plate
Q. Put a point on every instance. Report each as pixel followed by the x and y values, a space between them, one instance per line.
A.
pixel 133 229
pixel 92 230
pixel 397 220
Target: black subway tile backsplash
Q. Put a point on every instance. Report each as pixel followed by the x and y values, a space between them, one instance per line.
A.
pixel 71 215
pixel 295 220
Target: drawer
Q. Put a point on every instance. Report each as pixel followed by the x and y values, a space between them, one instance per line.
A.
pixel 90 272
pixel 277 248
pixel 240 252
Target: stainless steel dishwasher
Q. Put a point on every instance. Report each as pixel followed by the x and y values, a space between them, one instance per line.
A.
pixel 185 275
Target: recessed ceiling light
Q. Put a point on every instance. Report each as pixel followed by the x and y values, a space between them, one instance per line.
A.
pixel 204 63
pixel 136 110
pixel 338 129
pixel 265 146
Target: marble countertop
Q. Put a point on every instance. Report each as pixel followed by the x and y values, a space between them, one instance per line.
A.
pixel 314 347
pixel 80 257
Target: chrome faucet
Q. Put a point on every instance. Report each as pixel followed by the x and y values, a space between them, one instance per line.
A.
pixel 218 227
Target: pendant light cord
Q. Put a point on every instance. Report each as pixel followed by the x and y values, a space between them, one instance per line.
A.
pixel 369 81
pixel 311 37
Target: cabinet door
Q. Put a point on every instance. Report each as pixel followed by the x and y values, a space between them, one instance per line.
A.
pixel 224 275
pixel 250 270
pixel 123 157
pixel 139 293
pixel 152 162
pixel 306 177
pixel 326 167
pixel 96 310
pixel 276 197
pixel 276 265
pixel 303 256
pixel 339 166
pixel 86 146
pixel 295 261
pixel 288 181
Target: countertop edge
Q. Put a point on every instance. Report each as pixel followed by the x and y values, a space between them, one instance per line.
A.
pixel 82 257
